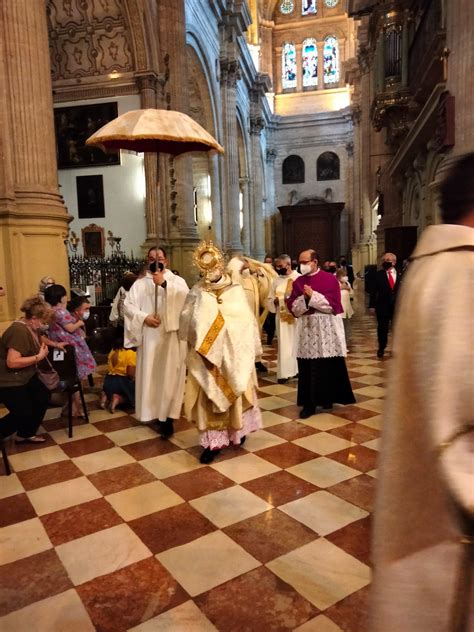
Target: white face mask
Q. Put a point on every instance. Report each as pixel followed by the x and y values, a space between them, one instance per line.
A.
pixel 86 315
pixel 345 279
pixel 245 273
pixel 305 268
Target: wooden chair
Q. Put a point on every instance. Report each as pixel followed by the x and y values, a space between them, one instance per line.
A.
pixel 70 382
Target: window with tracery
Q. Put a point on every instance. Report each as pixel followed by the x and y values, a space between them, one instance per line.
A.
pixel 309 7
pixel 287 7
pixel 288 59
pixel 331 60
pixel 310 63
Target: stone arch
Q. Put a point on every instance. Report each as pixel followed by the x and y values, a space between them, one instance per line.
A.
pixel 202 110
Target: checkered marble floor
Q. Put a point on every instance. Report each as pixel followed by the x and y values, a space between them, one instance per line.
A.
pixel 118 530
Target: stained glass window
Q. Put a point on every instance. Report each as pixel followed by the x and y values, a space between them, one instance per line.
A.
pixel 309 7
pixel 287 6
pixel 331 60
pixel 289 65
pixel 310 63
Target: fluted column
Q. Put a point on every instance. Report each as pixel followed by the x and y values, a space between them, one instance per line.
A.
pixel 230 74
pixel 460 81
pixel 147 84
pixel 33 218
pixel 216 201
pixel 182 231
pixel 245 232
pixel 258 222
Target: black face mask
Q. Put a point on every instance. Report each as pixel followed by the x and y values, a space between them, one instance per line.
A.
pixel 326 269
pixel 332 269
pixel 386 265
pixel 281 271
pixel 343 263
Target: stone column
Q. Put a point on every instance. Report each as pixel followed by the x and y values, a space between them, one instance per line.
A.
pixel 216 202
pixel 266 50
pixel 147 84
pixel 271 211
pixel 182 231
pixel 230 74
pixel 299 68
pixel 460 81
pixel 33 218
pixel 320 48
pixel 246 231
pixel 258 220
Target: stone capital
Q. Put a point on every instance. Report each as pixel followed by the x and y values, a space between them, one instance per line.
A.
pixel 230 72
pixel 257 124
pixel 147 80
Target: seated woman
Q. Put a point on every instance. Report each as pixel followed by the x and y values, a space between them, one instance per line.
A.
pixel 119 383
pixel 68 327
pixel 22 392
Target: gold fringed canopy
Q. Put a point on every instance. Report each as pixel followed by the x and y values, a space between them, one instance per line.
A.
pixel 151 130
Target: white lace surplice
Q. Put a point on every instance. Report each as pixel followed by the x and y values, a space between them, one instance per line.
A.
pixel 321 334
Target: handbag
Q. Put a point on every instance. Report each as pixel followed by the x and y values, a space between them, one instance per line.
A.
pixel 45 371
pixel 48 375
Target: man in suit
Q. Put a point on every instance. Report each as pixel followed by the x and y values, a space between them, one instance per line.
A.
pixel 383 296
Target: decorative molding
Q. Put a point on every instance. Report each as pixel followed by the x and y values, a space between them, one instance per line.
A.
pixel 230 72
pixel 271 155
pixel 88 39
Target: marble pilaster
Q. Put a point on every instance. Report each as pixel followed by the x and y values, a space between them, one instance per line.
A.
pixel 230 74
pixel 33 218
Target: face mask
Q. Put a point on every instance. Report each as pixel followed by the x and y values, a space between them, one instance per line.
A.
pixel 305 268
pixel 343 262
pixel 386 265
pixel 332 269
pixel 281 271
pixel 43 329
pixel 245 273
pixel 86 315
pixel 345 279
pixel 326 268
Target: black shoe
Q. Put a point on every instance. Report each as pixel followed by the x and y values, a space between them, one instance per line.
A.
pixel 283 380
pixel 242 441
pixel 380 353
pixel 208 455
pixel 166 428
pixel 261 367
pixel 327 407
pixel 306 412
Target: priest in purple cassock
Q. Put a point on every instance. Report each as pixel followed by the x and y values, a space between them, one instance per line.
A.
pixel 316 302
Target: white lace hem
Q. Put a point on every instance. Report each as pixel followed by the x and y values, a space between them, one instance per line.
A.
pixel 321 336
pixel 219 439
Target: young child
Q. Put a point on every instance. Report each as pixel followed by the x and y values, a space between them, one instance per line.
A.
pixel 68 327
pixel 346 293
pixel 119 383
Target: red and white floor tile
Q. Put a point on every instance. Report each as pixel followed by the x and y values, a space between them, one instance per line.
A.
pixel 117 530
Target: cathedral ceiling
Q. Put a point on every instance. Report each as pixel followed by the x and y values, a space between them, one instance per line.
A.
pixel 88 38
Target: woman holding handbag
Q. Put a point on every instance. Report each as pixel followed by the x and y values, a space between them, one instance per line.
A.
pixel 21 390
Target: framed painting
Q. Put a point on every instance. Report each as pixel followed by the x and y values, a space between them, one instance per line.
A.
pixel 90 196
pixel 93 241
pixel 73 127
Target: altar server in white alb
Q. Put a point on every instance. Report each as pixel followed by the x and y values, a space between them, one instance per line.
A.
pixel 161 370
pixel 287 366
